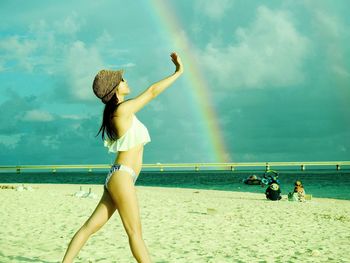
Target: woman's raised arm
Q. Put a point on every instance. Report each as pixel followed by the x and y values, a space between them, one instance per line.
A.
pixel 134 105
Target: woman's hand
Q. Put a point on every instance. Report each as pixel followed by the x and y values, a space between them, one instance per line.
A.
pixel 177 62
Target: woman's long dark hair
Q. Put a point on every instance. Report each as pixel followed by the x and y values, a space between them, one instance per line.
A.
pixel 106 126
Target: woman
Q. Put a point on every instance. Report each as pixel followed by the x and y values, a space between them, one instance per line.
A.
pixel 126 136
pixel 299 191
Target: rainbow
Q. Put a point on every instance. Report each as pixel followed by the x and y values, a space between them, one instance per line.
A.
pixel 166 17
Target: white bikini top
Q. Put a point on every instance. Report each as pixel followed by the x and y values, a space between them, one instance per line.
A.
pixel 135 135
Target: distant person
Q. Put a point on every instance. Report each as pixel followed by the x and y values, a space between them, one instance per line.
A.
pixel 298 193
pixel 126 136
pixel 273 192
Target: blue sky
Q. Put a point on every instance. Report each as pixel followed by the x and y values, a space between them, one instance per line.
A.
pixel 278 71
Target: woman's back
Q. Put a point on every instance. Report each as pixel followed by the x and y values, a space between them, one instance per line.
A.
pixel 121 123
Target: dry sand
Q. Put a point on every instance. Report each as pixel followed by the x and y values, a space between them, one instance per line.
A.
pixel 179 225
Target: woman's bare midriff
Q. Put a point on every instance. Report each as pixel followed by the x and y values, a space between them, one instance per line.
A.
pixel 131 158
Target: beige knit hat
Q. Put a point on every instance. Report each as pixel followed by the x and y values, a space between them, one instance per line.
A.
pixel 106 82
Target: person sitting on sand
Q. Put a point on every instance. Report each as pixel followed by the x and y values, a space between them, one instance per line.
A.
pixel 273 192
pixel 298 192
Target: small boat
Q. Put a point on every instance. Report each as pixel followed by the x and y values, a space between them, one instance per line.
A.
pixel 253 180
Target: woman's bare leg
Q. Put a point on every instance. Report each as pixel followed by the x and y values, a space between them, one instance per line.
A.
pixel 103 211
pixel 123 193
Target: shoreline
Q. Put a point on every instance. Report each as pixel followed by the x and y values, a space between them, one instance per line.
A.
pixel 97 186
pixel 333 186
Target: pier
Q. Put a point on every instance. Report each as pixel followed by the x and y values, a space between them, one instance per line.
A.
pixel 302 166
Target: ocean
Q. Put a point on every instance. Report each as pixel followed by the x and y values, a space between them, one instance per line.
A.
pixel 319 183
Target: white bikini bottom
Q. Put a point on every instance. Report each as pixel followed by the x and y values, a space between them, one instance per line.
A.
pixel 120 167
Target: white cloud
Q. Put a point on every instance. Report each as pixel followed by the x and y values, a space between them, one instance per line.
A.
pixel 157 106
pixel 10 141
pixel 327 24
pixel 2 68
pixel 54 49
pixel 51 141
pixel 214 9
pixel 37 115
pixel 70 25
pixel 342 148
pixel 121 66
pixel 129 65
pixel 340 70
pixel 73 117
pixel 18 49
pixel 335 38
pixel 268 53
pixel 82 63
pixel 157 123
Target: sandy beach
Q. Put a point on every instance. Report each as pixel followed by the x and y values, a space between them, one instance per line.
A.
pixel 179 225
